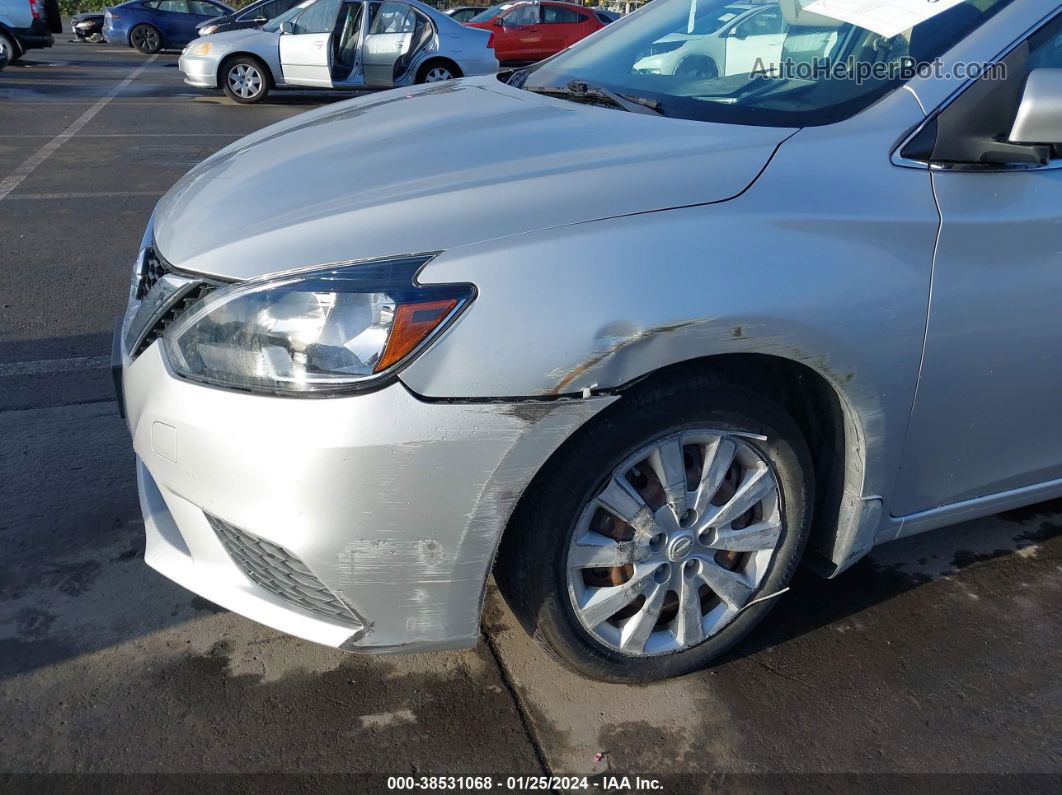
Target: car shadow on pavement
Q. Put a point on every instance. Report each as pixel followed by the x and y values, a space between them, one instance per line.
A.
pixel 895 568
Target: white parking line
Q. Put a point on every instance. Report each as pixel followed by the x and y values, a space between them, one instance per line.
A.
pixel 12 181
pixel 45 366
pixel 129 194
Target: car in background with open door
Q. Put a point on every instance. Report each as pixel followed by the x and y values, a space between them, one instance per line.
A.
pixel 152 25
pixel 526 32
pixel 356 44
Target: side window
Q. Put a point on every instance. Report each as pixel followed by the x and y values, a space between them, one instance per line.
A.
pixel 394 18
pixel 205 9
pixel 151 4
pixel 173 6
pixel 766 23
pixel 527 14
pixel 318 18
pixel 558 15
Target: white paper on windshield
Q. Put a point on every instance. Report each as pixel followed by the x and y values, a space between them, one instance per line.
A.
pixel 887 17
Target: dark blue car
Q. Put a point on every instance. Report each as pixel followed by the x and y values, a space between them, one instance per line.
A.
pixel 150 25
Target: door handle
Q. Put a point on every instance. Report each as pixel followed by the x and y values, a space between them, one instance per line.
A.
pixel 318 44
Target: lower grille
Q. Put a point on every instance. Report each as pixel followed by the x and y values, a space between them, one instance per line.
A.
pixel 281 573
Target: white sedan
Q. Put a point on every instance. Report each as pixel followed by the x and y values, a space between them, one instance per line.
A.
pixel 353 44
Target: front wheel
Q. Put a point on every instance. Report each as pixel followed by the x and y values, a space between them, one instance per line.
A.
pixel 146 38
pixel 246 81
pixel 657 537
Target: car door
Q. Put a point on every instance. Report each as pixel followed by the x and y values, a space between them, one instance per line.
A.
pixel 987 416
pixel 174 21
pixel 754 38
pixel 520 37
pixel 561 27
pixel 390 36
pixel 306 51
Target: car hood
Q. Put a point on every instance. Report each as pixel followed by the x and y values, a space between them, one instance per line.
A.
pixel 440 166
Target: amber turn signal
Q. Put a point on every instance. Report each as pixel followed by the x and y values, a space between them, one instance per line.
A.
pixel 412 324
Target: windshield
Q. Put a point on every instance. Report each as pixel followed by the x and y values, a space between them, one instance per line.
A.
pixel 771 63
pixel 273 25
pixel 490 13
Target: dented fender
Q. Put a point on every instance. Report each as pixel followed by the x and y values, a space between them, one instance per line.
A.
pixel 837 280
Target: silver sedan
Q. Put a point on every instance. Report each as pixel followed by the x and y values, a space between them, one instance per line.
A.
pixel 355 44
pixel 698 331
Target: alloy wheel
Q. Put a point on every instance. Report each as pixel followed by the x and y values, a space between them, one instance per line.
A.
pixel 245 80
pixel 675 544
pixel 146 39
pixel 437 74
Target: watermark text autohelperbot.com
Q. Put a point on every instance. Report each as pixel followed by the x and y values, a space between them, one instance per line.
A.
pixel 818 69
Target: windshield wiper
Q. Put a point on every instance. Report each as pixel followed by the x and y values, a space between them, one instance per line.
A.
pixel 580 91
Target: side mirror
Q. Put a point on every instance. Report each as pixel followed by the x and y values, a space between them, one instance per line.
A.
pixel 287 27
pixel 738 33
pixel 499 23
pixel 1039 119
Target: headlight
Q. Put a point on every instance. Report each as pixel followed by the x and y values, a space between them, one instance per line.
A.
pixel 308 333
pixel 201 49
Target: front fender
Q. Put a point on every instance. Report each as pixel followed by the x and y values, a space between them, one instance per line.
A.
pixel 836 279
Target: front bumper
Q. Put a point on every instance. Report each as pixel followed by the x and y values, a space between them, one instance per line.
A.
pixel 394 504
pixel 199 70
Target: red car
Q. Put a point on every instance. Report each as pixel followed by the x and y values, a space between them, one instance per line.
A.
pixel 526 32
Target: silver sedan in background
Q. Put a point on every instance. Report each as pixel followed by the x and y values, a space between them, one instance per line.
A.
pixel 354 44
pixel 698 331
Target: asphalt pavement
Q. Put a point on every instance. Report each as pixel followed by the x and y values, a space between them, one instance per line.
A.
pixel 939 654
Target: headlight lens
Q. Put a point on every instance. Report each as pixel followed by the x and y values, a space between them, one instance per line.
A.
pixel 204 48
pixel 310 333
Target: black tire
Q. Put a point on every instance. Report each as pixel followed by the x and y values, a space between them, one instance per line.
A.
pixel 8 45
pixel 531 569
pixel 146 38
pixel 250 67
pixel 429 69
pixel 697 67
